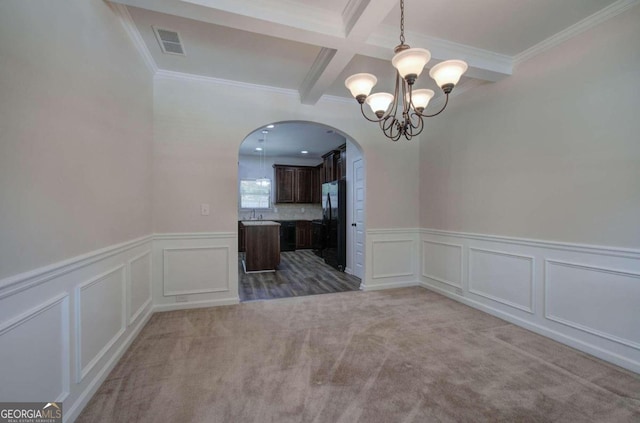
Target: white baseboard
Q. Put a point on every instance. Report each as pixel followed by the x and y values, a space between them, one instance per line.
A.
pixel 556 336
pixel 389 285
pixel 196 304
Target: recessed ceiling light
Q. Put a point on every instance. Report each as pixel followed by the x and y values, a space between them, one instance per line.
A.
pixel 258 148
pixel 304 152
pixel 264 131
pixel 271 126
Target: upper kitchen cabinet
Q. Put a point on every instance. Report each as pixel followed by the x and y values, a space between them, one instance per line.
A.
pixel 285 184
pixel 296 184
pixel 334 164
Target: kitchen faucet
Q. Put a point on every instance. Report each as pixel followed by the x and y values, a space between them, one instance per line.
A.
pixel 253 214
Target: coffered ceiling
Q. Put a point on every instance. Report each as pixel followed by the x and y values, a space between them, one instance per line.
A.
pixel 311 46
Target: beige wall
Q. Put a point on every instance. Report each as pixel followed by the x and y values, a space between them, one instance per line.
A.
pixel 76 137
pixel 199 126
pixel 551 153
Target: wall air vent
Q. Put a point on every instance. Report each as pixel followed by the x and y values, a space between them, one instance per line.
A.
pixel 169 41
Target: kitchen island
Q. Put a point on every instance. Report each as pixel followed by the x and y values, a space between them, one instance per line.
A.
pixel 262 245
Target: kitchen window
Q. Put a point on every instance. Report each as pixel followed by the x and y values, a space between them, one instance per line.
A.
pixel 255 193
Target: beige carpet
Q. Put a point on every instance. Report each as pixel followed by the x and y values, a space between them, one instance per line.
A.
pixel 403 355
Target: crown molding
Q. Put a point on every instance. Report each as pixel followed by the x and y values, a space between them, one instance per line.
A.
pixel 181 76
pixel 614 9
pixel 338 99
pixel 317 68
pixel 129 26
pixel 352 11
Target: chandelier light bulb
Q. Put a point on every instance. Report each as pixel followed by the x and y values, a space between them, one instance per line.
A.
pixel 411 62
pixel 379 102
pixel 448 73
pixel 420 98
pixel 361 85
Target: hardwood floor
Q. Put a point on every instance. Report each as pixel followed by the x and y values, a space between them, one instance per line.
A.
pixel 300 273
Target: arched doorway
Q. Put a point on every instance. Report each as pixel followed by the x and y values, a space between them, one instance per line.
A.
pixel 291 173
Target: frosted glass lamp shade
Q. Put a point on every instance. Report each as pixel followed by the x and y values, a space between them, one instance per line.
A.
pixel 411 61
pixel 448 72
pixel 421 98
pixel 361 84
pixel 379 102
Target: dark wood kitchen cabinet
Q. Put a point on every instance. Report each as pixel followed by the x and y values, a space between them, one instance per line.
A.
pixel 285 183
pixel 335 164
pixel 316 185
pixel 304 234
pixel 262 245
pixel 295 184
pixel 241 239
pixel 302 186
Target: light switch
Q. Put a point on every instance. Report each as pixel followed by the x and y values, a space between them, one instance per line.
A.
pixel 204 209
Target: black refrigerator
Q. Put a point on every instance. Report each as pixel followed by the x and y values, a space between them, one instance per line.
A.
pixel 334 220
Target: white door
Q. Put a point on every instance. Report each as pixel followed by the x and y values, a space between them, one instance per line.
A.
pixel 357 221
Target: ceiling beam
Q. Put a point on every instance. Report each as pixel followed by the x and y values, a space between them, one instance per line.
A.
pixel 341 35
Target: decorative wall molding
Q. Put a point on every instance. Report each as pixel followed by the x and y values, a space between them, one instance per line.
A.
pixel 133 315
pixel 87 393
pixel 82 371
pixel 554 245
pixel 33 313
pixel 614 9
pixel 457 285
pixel 528 307
pixel 182 76
pixel 584 327
pixel 133 33
pixel 18 283
pixel 504 276
pixel 166 252
pixel 194 235
pixel 376 274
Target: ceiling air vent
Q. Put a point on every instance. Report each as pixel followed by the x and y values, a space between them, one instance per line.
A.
pixel 169 41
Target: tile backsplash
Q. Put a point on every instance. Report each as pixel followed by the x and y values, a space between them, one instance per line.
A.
pixel 285 212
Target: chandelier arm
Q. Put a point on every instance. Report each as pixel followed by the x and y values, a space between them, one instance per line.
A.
pixel 367 118
pixel 388 124
pixel 440 111
pixel 419 126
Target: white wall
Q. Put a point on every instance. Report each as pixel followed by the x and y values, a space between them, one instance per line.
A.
pixel 521 180
pixel 549 153
pixel 76 114
pixel 199 126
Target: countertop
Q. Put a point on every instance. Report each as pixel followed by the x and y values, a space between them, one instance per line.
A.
pixel 259 223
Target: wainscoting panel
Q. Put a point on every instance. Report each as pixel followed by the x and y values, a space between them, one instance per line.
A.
pixel 585 296
pixel 502 277
pixel 442 262
pixel 139 285
pixel 100 318
pixel 195 270
pixel 34 352
pixel 390 258
pixel 64 326
pixel 596 300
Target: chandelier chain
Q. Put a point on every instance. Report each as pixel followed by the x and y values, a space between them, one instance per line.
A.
pixel 401 22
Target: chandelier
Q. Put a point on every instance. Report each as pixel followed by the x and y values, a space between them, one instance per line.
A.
pixel 401 113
